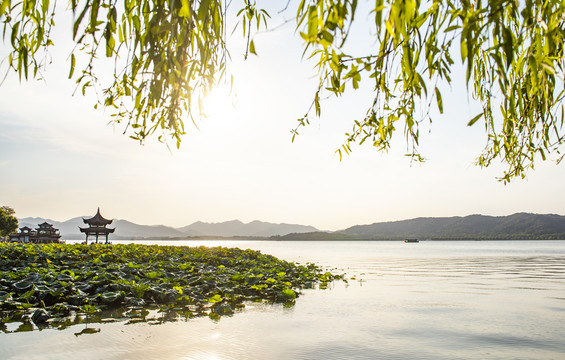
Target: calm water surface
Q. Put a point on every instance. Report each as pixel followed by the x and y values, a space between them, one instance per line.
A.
pixel 431 300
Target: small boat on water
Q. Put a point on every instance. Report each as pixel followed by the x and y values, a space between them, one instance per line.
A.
pixel 411 240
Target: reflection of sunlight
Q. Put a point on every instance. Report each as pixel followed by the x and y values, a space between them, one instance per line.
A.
pixel 220 102
pixel 204 356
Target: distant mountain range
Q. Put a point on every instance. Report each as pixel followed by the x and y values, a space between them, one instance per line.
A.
pixel 474 227
pixel 127 230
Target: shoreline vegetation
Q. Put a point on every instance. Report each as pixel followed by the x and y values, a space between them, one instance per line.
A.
pixel 58 285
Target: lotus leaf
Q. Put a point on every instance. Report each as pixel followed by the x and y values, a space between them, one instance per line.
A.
pixel 222 309
pixel 65 277
pixel 289 294
pixel 89 309
pixel 216 298
pixel 40 316
pixel 24 284
pixel 24 327
pixel 153 274
pixel 134 302
pixel 78 299
pixel 88 331
pixel 112 297
pixel 62 278
pixel 61 308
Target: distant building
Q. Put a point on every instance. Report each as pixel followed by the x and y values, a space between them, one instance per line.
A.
pixel 44 234
pixel 97 227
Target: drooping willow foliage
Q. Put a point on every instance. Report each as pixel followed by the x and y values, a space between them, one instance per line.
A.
pixel 512 51
pixel 169 52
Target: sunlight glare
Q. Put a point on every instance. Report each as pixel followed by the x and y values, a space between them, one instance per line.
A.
pixel 220 102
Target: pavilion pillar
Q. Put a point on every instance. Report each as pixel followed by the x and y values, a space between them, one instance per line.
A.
pixel 97 227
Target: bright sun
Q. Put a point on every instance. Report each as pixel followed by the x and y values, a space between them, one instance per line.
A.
pixel 220 102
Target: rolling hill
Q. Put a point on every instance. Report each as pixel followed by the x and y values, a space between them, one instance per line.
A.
pixel 128 230
pixel 473 227
pixel 516 226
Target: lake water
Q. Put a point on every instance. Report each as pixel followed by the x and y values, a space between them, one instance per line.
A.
pixel 430 300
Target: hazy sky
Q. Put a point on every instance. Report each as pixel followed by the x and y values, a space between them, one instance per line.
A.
pixel 59 158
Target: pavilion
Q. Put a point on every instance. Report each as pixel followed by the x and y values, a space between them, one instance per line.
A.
pixel 44 234
pixel 97 227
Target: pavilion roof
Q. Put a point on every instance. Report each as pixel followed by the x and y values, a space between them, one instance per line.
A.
pixel 97 220
pixel 45 226
pixel 97 229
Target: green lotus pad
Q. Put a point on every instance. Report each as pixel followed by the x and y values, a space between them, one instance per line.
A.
pixel 74 278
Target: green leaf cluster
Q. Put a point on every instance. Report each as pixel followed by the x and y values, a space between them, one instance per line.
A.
pixel 168 53
pixel 512 51
pixel 8 222
pixel 65 278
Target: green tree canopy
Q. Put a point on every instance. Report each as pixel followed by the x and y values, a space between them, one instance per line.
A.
pixel 8 222
pixel 168 53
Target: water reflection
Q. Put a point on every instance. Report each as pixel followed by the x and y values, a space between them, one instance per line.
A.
pixel 436 301
pixel 14 322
